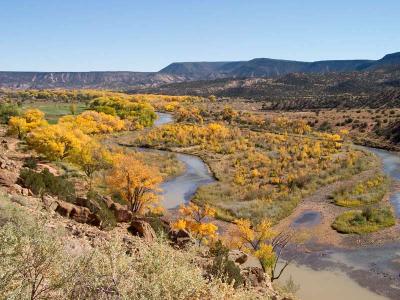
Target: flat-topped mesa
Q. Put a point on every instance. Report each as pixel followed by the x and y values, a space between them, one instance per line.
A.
pixel 189 71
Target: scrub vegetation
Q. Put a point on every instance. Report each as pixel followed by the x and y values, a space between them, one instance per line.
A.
pixel 264 168
pixel 363 193
pixel 368 220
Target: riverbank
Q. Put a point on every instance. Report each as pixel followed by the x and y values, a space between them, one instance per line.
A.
pixel 330 259
pixel 366 266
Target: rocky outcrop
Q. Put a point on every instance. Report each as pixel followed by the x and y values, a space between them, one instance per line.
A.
pixel 180 238
pixel 250 268
pixel 238 256
pixel 121 212
pixel 141 228
pixel 78 213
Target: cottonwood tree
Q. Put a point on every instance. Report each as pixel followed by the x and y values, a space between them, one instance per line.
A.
pixel 57 141
pixel 29 120
pixel 136 182
pixel 91 158
pixel 195 219
pixel 261 241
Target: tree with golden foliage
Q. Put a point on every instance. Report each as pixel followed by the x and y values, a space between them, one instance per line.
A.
pixel 56 141
pixel 135 182
pixel 261 241
pixel 194 219
pixel 91 158
pixel 29 120
pixel 93 122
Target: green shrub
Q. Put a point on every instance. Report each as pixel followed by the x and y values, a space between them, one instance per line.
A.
pixel 106 109
pixel 141 114
pixel 224 268
pixel 7 111
pixel 47 183
pixel 325 126
pixel 30 163
pixel 365 221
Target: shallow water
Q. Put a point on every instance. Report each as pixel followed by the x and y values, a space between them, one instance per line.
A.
pixel 180 189
pixel 307 219
pixel 163 118
pixel 329 284
pixel 391 167
pixel 368 273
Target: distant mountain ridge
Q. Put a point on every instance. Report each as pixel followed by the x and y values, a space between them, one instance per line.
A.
pixel 97 80
pixel 190 71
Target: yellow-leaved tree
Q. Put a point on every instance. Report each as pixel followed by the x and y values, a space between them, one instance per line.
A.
pixel 93 122
pixel 29 120
pixel 92 157
pixel 261 241
pixel 194 219
pixel 57 142
pixel 136 182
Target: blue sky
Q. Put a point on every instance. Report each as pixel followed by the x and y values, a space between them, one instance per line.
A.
pixel 84 35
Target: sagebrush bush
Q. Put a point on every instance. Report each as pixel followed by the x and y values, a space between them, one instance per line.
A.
pixel 36 264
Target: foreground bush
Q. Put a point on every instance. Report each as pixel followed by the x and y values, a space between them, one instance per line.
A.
pixel 365 221
pixel 36 264
pixel 47 183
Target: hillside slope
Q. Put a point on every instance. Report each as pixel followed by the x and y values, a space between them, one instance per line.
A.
pixel 295 91
pixel 190 71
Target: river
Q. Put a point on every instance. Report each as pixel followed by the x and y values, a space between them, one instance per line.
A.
pixel 328 274
pixel 180 189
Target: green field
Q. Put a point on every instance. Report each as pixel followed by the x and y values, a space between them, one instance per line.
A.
pixel 54 111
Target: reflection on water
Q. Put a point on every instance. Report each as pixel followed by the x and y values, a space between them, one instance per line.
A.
pixel 331 284
pixel 163 118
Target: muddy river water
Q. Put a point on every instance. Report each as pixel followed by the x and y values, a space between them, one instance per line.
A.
pixel 326 274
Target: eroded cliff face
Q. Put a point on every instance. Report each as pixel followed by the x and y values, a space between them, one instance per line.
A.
pixel 41 80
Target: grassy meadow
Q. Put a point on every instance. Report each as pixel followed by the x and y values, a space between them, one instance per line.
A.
pixel 54 110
